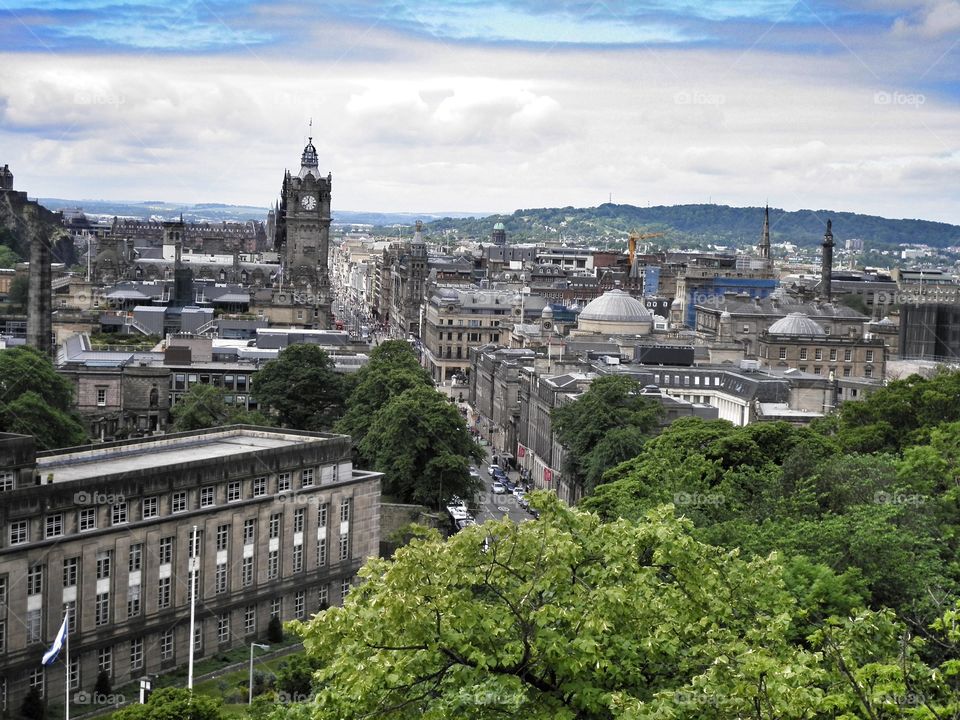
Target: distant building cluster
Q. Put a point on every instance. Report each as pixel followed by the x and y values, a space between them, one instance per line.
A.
pixel 136 313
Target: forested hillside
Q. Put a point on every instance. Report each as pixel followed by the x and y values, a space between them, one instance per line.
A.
pixel 696 224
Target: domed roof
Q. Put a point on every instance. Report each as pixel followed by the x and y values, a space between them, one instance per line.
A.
pixel 796 323
pixel 499 226
pixel 615 306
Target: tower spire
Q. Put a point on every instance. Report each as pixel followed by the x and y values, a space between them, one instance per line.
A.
pixel 764 247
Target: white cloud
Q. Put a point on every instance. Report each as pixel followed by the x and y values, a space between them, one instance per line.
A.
pixel 938 18
pixel 482 129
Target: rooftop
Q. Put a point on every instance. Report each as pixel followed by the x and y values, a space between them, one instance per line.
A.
pixel 119 458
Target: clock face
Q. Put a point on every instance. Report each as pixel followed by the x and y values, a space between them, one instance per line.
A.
pixel 308 202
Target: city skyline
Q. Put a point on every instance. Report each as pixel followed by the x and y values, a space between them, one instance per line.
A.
pixel 429 106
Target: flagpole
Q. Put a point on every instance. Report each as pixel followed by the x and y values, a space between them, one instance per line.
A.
pixel 193 603
pixel 66 703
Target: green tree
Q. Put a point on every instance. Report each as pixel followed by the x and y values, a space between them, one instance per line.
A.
pixel 884 528
pixel 421 444
pixel 900 414
pixel 301 388
pixel 275 630
pixel 33 707
pixel 205 406
pixel 35 400
pixel 569 617
pixel 202 406
pixel 392 369
pixel 172 704
pixel 8 258
pixel 102 687
pixel 19 293
pixel 588 427
pixel 295 678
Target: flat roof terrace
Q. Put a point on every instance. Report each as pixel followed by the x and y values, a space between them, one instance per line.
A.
pixel 119 458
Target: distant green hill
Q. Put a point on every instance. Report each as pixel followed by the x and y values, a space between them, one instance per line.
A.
pixel 696 224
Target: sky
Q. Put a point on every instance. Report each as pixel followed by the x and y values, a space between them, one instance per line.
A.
pixel 489 106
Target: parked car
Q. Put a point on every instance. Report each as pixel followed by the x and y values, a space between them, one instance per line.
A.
pixel 493 470
pixel 498 488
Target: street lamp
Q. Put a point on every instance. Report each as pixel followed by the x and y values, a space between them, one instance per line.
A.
pixel 250 688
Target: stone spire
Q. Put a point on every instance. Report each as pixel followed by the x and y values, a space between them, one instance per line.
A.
pixel 764 247
pixel 826 267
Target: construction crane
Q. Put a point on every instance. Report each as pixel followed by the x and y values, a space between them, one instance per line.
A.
pixel 635 236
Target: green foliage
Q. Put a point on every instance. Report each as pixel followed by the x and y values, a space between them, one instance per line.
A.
pixel 392 369
pixel 33 707
pixel 35 400
pixel 19 293
pixel 898 415
pixel 570 617
pixel 697 224
pixel 8 257
pixel 856 527
pixel 301 388
pixel 172 704
pixel 204 406
pixel 605 426
pixel 102 687
pixel 295 678
pixel 420 442
pixel 275 630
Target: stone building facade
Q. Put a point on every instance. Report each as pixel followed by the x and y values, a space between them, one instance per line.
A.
pixel 456 320
pixel 798 342
pixel 105 534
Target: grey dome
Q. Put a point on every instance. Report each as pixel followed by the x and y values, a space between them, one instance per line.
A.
pixel 499 226
pixel 615 306
pixel 796 324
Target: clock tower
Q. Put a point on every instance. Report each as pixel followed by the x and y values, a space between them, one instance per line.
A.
pixel 302 238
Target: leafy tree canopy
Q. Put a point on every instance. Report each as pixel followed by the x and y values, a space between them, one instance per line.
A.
pixel 35 400
pixel 898 415
pixel 392 369
pixel 421 444
pixel 604 426
pixel 571 617
pixel 301 388
pixel 204 406
pixel 172 704
pixel 8 257
pixel 886 526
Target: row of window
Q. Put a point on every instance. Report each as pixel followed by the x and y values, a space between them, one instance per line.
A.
pixel 165 554
pixel 685 380
pixel 119 512
pixel 166 643
pixel 818 354
pixel 182 381
pixel 34 617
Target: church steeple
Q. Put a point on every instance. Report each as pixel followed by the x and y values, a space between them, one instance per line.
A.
pixel 763 248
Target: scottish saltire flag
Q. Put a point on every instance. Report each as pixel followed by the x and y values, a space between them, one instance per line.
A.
pixel 50 656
